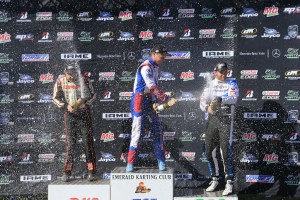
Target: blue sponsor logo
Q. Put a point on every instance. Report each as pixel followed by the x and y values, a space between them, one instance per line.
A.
pixel 106 176
pixel 35 57
pixel 259 179
pixel 179 55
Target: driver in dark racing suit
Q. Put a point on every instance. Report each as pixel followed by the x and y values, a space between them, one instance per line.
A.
pixel 218 99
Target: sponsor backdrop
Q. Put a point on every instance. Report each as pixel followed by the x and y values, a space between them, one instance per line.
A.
pixel 260 46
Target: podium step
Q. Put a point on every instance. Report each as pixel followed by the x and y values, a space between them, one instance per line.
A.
pixel 201 194
pixel 143 183
pixel 79 189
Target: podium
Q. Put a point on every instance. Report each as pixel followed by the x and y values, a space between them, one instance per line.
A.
pixel 79 190
pixel 144 183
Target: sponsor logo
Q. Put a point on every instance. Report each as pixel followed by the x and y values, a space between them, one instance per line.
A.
pixel 127 76
pixel 106 96
pixel 107 76
pixel 292 95
pixel 25 78
pixel 249 33
pixel 149 13
pixel 166 76
pixel 271 75
pixel 186 96
pixel 168 135
pixel 249 74
pixel 85 37
pixel 124 135
pixel 293 159
pixel 183 176
pixel 84 16
pixel 228 33
pixel 294 137
pixel 259 179
pixel 179 55
pixel 107 157
pixel 64 16
pixel 207 13
pixel 187 76
pixel 249 12
pixel 188 156
pixel 248 158
pixel 166 14
pixel 207 33
pixel 249 96
pixel 270 33
pixel 141 188
pixel 45 138
pixel 76 56
pixel 43 16
pixel 271 11
pixel 116 116
pixel 106 176
pixel 4 58
pixel 292 53
pixel 25 158
pixel 35 57
pixel 5 179
pixel 275 53
pixel 292 75
pixel 45 37
pixel 292 180
pixel 4 16
pixel 186 13
pixel 170 34
pixel 35 178
pixel 46 158
pixel 186 35
pixel 271 137
pixel 106 36
pixel 271 158
pixel 125 15
pixel 218 54
pixel 25 138
pixel 292 116
pixel 23 17
pixel 125 36
pixel 5 119
pixel 107 137
pixel 4 98
pixel 268 95
pixel 28 37
pixel 292 10
pixel 125 96
pixel 46 78
pixel 292 32
pixel 5 38
pixel 187 136
pixel 105 16
pixel 6 159
pixel 45 98
pixel 259 115
pixel 26 98
pixel 146 35
pixel 249 137
pixel 65 36
pixel 5 138
pixel 228 12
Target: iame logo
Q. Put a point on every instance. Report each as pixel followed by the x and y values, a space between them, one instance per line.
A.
pixel 271 11
pixel 35 178
pixel 218 54
pixel 116 116
pixel 270 75
pixel 271 158
pixel 76 56
pixel 292 95
pixel 259 115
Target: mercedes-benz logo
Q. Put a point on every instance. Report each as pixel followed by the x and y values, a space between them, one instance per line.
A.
pixel 131 55
pixel 276 53
pixel 192 116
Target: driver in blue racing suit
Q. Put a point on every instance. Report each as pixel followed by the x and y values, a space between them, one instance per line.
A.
pixel 143 106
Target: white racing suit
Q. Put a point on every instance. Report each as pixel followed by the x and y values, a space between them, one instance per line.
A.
pixel 219 128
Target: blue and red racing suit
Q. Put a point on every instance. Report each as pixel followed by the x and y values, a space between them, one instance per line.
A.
pixel 145 93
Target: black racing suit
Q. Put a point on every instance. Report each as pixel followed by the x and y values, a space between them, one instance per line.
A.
pixel 67 93
pixel 219 127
